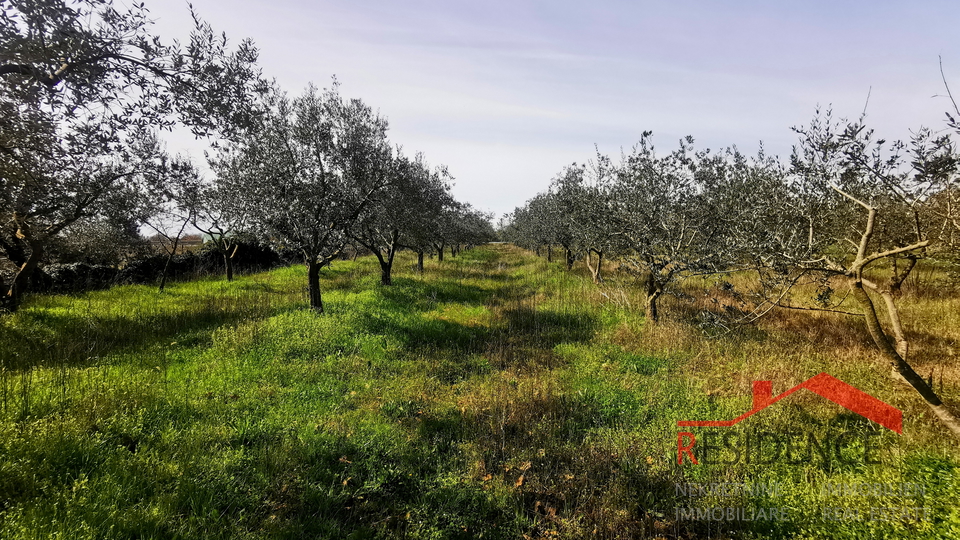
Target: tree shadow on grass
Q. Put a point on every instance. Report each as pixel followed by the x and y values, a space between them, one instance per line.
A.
pixel 409 293
pixel 539 444
pixel 526 338
pixel 366 489
pixel 45 338
pixel 519 336
pixel 547 328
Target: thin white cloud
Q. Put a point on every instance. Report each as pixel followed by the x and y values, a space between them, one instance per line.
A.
pixel 506 93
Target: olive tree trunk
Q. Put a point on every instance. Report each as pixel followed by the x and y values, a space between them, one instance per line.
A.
pixel 228 263
pixel 18 287
pixel 653 293
pixel 895 355
pixel 313 285
pixel 899 364
pixel 595 270
pixel 386 266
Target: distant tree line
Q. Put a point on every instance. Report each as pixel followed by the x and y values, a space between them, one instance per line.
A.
pixel 847 218
pixel 86 90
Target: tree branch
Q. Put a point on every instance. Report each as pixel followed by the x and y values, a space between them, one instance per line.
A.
pixel 947 86
pixel 889 253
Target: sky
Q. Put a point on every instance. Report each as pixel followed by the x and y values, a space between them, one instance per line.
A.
pixel 505 94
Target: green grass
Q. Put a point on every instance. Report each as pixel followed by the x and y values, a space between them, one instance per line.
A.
pixel 495 396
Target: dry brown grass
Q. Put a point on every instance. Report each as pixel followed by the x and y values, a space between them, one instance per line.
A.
pixel 790 345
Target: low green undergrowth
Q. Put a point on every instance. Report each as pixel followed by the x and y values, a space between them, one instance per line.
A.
pixel 494 396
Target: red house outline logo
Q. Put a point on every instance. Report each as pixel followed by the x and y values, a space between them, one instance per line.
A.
pixel 826 386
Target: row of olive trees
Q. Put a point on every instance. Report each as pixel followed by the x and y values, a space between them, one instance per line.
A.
pixel 660 216
pixel 851 214
pixel 84 88
pixel 317 173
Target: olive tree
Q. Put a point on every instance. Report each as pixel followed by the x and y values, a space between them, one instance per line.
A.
pixel 404 213
pixel 667 228
pixel 158 196
pixel 586 208
pixel 436 206
pixel 219 214
pixel 470 227
pixel 851 215
pixel 532 225
pixel 79 80
pixel 307 172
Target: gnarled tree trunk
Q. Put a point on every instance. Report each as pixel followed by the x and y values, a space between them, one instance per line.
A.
pixel 313 285
pixel 228 263
pixel 895 355
pixel 386 266
pixel 228 258
pixel 881 340
pixel 595 271
pixel 653 292
pixel 18 287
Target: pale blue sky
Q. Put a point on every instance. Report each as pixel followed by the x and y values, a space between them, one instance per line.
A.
pixel 507 93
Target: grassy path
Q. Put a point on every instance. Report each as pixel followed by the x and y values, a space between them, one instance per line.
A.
pixel 496 396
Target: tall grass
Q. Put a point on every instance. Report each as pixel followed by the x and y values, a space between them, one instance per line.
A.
pixel 494 396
